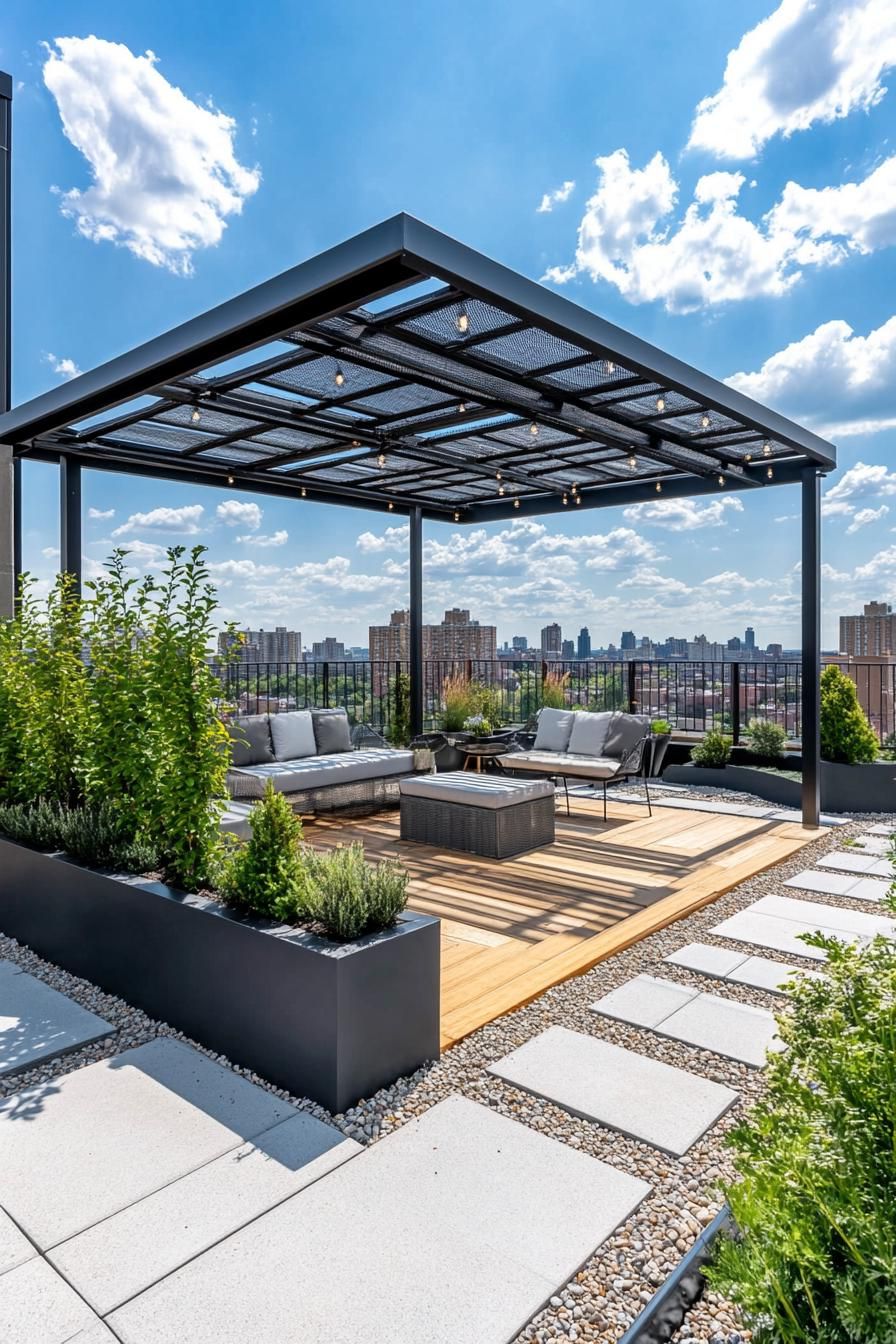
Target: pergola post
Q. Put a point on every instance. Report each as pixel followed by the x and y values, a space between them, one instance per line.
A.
pixel 10 562
pixel 415 618
pixel 811 645
pixel 70 518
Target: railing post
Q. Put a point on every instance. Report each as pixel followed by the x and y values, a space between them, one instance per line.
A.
pixel 398 694
pixel 735 703
pixel 325 686
pixel 632 687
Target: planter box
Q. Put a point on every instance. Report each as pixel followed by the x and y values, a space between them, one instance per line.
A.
pixel 330 1021
pixel 844 788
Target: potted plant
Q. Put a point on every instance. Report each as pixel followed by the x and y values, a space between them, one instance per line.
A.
pixel 714 752
pixel 768 741
pixel 660 737
pixel 478 726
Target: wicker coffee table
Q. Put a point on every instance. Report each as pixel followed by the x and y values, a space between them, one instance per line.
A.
pixel 489 815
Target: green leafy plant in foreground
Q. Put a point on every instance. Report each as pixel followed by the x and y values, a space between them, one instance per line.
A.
pixel 458 701
pixel 846 734
pixel 767 739
pixel 349 897
pixel 713 752
pixel 266 874
pixel 816 1201
pixel 659 727
pixel 37 825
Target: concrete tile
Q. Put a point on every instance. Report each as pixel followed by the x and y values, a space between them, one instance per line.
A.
pixel 38 1023
pixel 870 889
pixel 882 828
pixel 15 1248
pixel 623 1090
pixel 121 1256
pixel 820 916
pixel 707 959
pixel 780 935
pixel 828 883
pixel 644 1000
pixel 849 861
pixel 873 844
pixel 38 1307
pixel 764 973
pixel 455 1229
pixel 113 1132
pixel 736 1030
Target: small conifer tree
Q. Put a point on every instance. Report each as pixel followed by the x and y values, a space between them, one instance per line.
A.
pixel 846 734
pixel 266 874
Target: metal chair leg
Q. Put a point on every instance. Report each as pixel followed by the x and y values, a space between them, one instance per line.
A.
pixel 566 791
pixel 647 791
pixel 604 783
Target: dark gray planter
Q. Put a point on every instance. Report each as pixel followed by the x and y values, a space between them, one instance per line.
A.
pixel 844 788
pixel 659 745
pixel 330 1021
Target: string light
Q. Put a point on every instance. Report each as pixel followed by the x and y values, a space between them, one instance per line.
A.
pixel 196 416
pixel 497 475
pixel 661 403
pixel 633 462
pixel 391 506
pixel 500 489
pixel 578 499
pixel 766 449
pixel 516 503
pixel 338 377
pixel 462 407
pixel 705 420
pixel 230 478
pixel 304 492
pixel 381 460
pixel 462 322
pixel 565 499
pixel 770 473
pixel 611 367
pixel 659 487
pixel 721 479
pixel 749 457
pixel 356 443
pixel 533 429
pixel 456 516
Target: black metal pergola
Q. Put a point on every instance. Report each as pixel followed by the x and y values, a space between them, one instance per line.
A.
pixel 404 372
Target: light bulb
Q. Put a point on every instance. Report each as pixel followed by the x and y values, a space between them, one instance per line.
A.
pixel 533 429
pixel 721 479
pixel 381 460
pixel 462 407
pixel 304 492
pixel 770 472
pixel 497 475
pixel 196 416
pixel 705 420
pixel 578 499
pixel 516 503
pixel 456 516
pixel 338 377
pixel 633 462
pixel 749 457
pixel 565 499
pixel 230 478
pixel 659 487
pixel 766 449
pixel 356 443
pixel 611 367
pixel 661 403
pixel 462 322
pixel 500 489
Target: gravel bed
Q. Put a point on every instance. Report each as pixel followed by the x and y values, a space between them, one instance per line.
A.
pixel 615 1283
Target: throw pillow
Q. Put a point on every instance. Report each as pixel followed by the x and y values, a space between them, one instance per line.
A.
pixel 589 733
pixel 331 731
pixel 250 739
pixel 554 729
pixel 625 732
pixel 293 735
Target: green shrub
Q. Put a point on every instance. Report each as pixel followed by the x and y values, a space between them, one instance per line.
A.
pixel 458 702
pixel 37 825
pixel 816 1200
pixel 846 734
pixel 553 690
pixel 349 897
pixel 400 725
pixel 266 874
pixel 660 727
pixel 103 835
pixel 767 740
pixel 713 752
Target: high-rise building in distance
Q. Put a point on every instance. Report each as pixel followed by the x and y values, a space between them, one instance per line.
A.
pixel 328 650
pixel 519 643
pixel 628 640
pixel 265 646
pixel 750 638
pixel 871 634
pixel 583 646
pixel 456 639
pixel 551 641
pixel 567 650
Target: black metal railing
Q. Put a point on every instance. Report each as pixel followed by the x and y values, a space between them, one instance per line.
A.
pixel 694 696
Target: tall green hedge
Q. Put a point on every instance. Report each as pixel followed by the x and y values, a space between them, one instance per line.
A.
pixel 846 734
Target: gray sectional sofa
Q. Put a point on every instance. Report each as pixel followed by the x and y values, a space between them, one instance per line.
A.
pixel 309 756
pixel 572 744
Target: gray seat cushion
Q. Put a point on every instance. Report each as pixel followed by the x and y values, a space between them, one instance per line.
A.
pixel 554 728
pixel 625 732
pixel 319 772
pixel 563 763
pixel 331 731
pixel 293 735
pixel 490 791
pixel 589 733
pixel 250 736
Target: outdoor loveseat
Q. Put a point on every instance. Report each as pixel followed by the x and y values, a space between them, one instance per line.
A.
pixel 309 756
pixel 596 748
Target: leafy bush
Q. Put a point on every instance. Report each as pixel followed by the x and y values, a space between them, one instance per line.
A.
pixel 349 897
pixel 846 734
pixel 400 726
pixel 767 739
pixel 37 825
pixel 458 702
pixel 660 727
pixel 553 690
pixel 816 1202
pixel 266 874
pixel 713 752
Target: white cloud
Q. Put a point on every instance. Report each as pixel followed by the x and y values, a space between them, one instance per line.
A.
pixel 165 175
pixel 629 235
pixel 555 197
pixel 50 552
pixel 836 381
pixel 241 569
pixel 883 565
pixel 64 368
pixel 185 520
pixel 862 517
pixel 730 581
pixel 100 513
pixel 239 513
pixel 279 538
pixel 684 515
pixel 145 553
pixel 393 539
pixel 863 481
pixel 656 582
pixel 810 61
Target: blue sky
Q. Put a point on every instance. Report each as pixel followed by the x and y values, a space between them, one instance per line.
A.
pixel 741 214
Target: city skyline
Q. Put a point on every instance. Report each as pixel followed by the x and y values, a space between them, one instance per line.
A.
pixel 752 239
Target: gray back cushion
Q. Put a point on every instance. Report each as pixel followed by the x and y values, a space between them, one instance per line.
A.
pixel 331 731
pixel 625 732
pixel 251 739
pixel 293 735
pixel 589 733
pixel 554 729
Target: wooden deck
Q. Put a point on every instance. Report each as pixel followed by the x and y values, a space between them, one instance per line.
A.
pixel 513 928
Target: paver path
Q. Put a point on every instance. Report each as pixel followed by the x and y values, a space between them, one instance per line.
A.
pixel 737 967
pixel 37 1023
pixel 827 883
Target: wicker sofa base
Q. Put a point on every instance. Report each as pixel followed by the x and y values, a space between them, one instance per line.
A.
pixel 363 795
pixel 492 833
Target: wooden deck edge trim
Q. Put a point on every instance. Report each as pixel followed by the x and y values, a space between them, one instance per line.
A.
pixel 633 929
